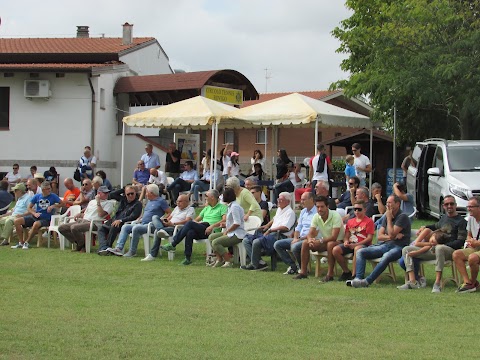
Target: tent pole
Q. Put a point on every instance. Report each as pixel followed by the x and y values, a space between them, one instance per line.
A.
pixel 216 146
pixel 213 158
pixel 370 178
pixel 394 143
pixel 316 136
pixel 265 151
pixel 123 154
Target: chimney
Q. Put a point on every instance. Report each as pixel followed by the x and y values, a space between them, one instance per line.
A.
pixel 82 32
pixel 127 34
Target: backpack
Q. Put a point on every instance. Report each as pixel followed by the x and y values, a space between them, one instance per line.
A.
pixel 321 163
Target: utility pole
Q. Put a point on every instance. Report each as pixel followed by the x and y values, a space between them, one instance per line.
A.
pixel 267 77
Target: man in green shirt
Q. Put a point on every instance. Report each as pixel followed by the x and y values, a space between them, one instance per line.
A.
pixel 204 224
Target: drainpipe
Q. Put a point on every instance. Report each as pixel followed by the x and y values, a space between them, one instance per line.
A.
pixel 92 122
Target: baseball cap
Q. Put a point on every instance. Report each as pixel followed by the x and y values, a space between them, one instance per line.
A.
pixel 20 186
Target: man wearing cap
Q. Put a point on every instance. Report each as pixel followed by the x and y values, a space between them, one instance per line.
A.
pixel 20 209
pixel 40 210
pixel 150 159
pixel 97 210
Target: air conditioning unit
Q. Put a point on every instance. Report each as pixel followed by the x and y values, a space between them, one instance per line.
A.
pixel 37 89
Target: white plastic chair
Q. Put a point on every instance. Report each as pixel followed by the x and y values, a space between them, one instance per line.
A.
pixel 239 252
pixel 146 237
pixel 57 220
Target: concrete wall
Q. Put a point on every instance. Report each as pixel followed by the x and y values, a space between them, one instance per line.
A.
pixel 148 61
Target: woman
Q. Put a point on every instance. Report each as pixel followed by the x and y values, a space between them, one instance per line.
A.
pixel 282 163
pixel 233 233
pixel 106 182
pixel 233 165
pixel 257 158
pixel 257 172
pixel 205 163
pixel 51 175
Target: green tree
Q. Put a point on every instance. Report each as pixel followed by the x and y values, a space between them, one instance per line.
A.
pixel 422 55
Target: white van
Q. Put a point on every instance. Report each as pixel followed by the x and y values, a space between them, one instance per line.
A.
pixel 444 167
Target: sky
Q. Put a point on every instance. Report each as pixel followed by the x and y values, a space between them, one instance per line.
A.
pixel 292 39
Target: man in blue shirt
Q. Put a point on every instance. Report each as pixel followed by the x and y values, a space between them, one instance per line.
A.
pixel 20 209
pixel 156 206
pixel 184 182
pixel 140 176
pixel 41 208
pixel 301 230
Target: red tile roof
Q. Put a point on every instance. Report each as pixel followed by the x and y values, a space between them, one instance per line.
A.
pixel 55 67
pixel 68 45
pixel 189 80
pixel 270 96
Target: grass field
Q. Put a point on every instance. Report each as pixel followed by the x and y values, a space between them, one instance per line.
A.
pixel 64 305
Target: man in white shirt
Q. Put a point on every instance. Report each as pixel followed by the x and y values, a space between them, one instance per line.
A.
pixel 13 177
pixel 158 178
pixel 321 165
pixel 361 163
pixel 150 159
pixel 33 188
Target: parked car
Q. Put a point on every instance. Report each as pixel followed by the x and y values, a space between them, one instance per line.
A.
pixel 444 167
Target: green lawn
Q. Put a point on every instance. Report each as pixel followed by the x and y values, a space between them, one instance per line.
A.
pixel 64 305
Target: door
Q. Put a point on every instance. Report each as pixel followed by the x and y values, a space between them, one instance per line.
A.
pixel 435 183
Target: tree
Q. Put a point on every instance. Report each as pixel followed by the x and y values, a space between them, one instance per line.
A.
pixel 422 55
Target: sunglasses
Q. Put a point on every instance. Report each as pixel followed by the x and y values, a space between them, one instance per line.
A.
pixel 128 194
pixel 351 184
pixel 358 209
pixel 449 204
pixel 85 184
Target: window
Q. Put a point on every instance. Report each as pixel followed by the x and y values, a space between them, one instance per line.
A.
pixel 338 134
pixel 102 98
pixel 261 136
pixel 229 137
pixel 438 162
pixel 4 107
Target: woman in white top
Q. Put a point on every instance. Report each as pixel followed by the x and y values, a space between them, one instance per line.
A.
pixel 233 165
pixel 233 233
pixel 225 158
pixel 257 158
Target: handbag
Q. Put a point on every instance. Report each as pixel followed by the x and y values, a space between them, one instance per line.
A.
pixel 76 175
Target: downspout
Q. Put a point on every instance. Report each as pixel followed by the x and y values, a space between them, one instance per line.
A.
pixel 92 120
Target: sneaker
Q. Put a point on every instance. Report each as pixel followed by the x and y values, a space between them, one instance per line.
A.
pixel 348 283
pixel 466 288
pixel 345 276
pixel 45 235
pixel 149 257
pixel 218 263
pixel 186 262
pixel 291 271
pixel 129 254
pixel 358 283
pixel 247 267
pixel 326 279
pixel 436 288
pixel 25 246
pixel 423 282
pixel 409 285
pixel 261 267
pixel 4 242
pixel 103 252
pixel 18 246
pixel 168 247
pixel 116 251
pixel 300 276
pixel 262 263
pixel 162 234
pixel 227 264
pixel 194 205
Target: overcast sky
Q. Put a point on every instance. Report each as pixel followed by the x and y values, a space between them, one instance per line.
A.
pixel 290 38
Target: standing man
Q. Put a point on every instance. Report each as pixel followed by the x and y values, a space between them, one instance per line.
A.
pixel 471 253
pixel 321 165
pixel 150 159
pixel 87 163
pixel 40 211
pixel 20 209
pixel 393 236
pixel 172 161
pixel 299 235
pixel 451 223
pixel 361 163
pixel 328 225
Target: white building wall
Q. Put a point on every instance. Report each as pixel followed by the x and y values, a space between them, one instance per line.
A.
pixel 149 60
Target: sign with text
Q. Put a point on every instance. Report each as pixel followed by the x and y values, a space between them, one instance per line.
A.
pixel 223 95
pixel 399 178
pixel 189 147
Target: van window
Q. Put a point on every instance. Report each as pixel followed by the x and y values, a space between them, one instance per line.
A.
pixel 417 151
pixel 464 158
pixel 438 161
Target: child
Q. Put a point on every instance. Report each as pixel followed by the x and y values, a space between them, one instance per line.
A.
pixel 438 235
pixel 349 168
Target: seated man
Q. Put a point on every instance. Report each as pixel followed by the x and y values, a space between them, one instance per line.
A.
pixel 282 222
pixel 359 233
pixel 87 194
pixel 156 205
pixel 182 214
pixel 97 210
pixel 20 209
pixel 158 178
pixel 70 195
pixel 41 208
pixel 327 225
pixel 362 195
pixel 349 195
pixel 377 198
pixel 97 181
pixel 13 177
pixel 294 244
pixel 257 194
pixel 5 197
pixel 129 209
pixel 33 187
pixel 252 181
pixel 471 253
pixel 140 176
pixel 210 218
pixel 203 184
pixel 322 187
pixel 184 182
pixel 393 236
pixel 452 224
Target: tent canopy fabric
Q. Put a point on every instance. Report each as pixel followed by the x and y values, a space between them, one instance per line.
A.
pixel 194 113
pixel 299 111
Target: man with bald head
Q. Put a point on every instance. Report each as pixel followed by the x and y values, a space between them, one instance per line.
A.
pixel 70 195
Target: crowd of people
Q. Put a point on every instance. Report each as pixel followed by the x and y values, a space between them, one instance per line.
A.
pixel 343 228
